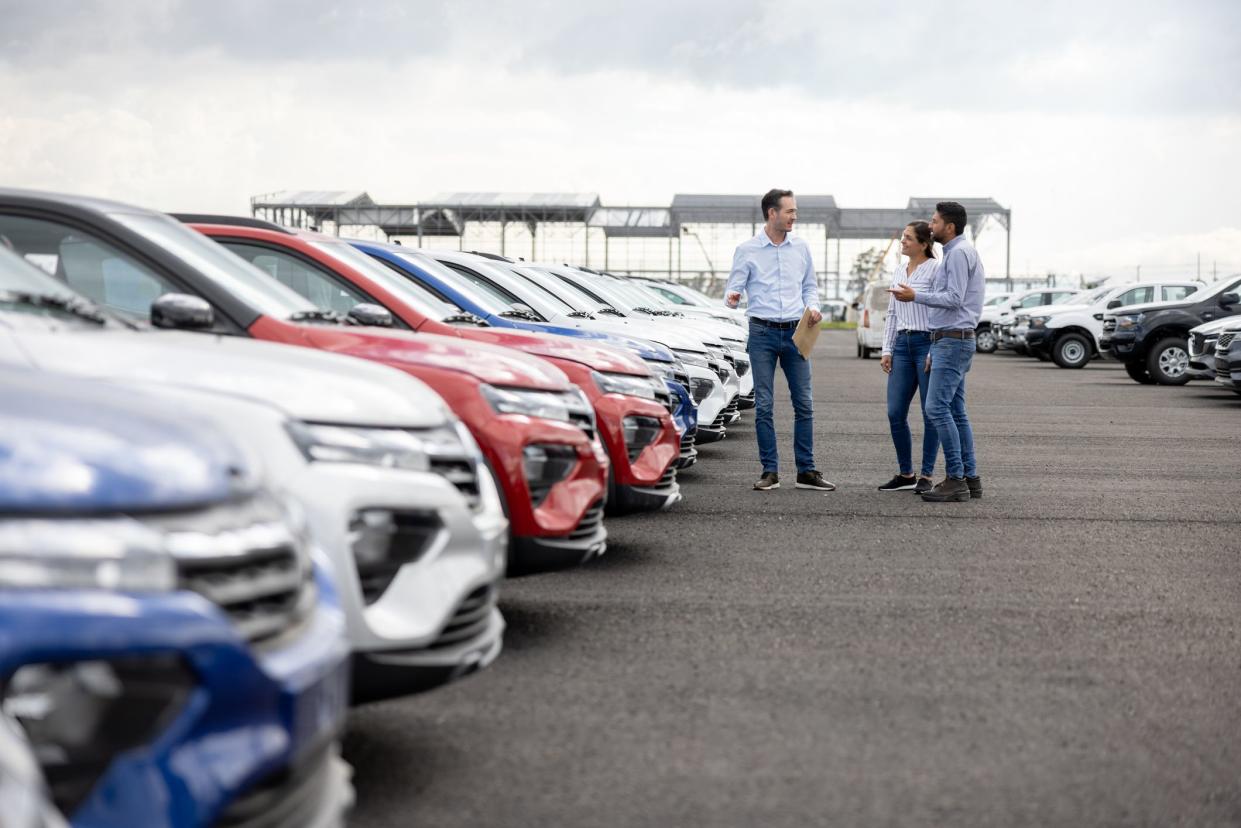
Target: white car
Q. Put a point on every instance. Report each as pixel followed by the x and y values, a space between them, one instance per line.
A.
pixel 1069 333
pixel 1202 342
pixel 872 311
pixel 984 336
pixel 681 294
pixel 394 487
pixel 1005 321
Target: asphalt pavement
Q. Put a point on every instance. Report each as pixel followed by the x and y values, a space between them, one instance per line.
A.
pixel 1064 651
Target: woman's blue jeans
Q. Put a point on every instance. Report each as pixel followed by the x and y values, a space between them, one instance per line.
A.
pixel 908 375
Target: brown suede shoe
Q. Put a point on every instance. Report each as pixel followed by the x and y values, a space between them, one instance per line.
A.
pixel 769 481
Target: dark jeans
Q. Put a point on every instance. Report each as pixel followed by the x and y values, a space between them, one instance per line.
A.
pixel 950 362
pixel 768 346
pixel 908 375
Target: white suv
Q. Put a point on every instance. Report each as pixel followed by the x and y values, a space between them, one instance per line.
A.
pixel 1069 334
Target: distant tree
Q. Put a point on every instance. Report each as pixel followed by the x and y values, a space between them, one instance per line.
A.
pixel 867 263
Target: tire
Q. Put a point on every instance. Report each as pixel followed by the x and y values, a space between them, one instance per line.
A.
pixel 859 350
pixel 1137 372
pixel 984 341
pixel 1168 361
pixel 1071 351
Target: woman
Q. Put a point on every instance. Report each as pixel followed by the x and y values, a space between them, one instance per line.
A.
pixel 906 345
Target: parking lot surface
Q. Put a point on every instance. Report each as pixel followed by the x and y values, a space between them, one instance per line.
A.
pixel 1066 650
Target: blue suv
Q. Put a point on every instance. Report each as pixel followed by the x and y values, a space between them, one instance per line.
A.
pixel 167 645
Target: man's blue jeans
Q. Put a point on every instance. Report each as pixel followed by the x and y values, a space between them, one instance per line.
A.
pixel 908 375
pixel 950 362
pixel 768 346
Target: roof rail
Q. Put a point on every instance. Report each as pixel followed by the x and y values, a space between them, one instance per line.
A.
pixel 230 221
pixel 493 256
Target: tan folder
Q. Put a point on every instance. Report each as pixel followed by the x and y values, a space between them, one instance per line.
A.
pixel 806 335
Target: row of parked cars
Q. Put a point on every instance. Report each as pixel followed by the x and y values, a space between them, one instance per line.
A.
pixel 1164 332
pixel 250 475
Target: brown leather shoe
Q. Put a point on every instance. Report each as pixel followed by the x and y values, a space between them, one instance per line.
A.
pixel 948 490
pixel 769 481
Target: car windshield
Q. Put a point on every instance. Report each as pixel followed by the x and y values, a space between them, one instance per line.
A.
pixel 635 296
pixel 480 299
pixel 27 289
pixel 996 300
pixel 567 291
pixel 233 273
pixel 1222 286
pixel 543 293
pixel 19 276
pixel 417 298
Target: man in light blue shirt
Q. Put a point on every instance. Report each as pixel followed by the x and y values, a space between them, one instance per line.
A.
pixel 954 303
pixel 776 273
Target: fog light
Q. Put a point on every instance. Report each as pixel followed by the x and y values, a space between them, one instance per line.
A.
pixel 545 466
pixel 78 716
pixel 639 433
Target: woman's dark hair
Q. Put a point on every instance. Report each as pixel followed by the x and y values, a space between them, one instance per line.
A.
pixel 922 232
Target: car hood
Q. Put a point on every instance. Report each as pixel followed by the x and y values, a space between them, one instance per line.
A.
pixel 486 363
pixel 1052 310
pixel 74 446
pixel 1129 310
pixel 1217 325
pixel 597 357
pixel 306 384
pixel 685 339
pixel 644 348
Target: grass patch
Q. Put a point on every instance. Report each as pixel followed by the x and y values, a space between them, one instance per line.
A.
pixel 838 326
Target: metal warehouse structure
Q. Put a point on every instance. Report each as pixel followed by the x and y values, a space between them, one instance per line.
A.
pixel 694 235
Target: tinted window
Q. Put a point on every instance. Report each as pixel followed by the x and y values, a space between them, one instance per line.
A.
pixel 87 264
pixel 1136 296
pixel 323 291
pixel 1171 293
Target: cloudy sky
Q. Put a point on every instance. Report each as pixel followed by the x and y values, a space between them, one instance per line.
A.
pixel 1112 129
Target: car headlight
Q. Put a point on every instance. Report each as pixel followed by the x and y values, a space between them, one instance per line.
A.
pixel 626 384
pixel 116 554
pixel 1131 320
pixel 1038 321
pixel 692 358
pixel 545 404
pixel 700 388
pixel 398 448
pixel 663 370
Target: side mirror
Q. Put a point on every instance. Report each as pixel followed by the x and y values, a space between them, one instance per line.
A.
pixel 1229 299
pixel 181 311
pixel 1115 303
pixel 370 315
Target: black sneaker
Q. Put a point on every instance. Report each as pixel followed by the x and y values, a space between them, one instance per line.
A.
pixel 975 484
pixel 900 483
pixel 948 490
pixel 813 480
pixel 924 485
pixel 769 481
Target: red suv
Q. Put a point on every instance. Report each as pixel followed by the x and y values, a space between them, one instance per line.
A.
pixel 532 424
pixel 632 407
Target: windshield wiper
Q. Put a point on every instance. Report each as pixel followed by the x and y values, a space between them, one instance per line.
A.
pixel 652 311
pixel 467 318
pixel 579 315
pixel 317 316
pixel 516 314
pixel 610 312
pixel 66 304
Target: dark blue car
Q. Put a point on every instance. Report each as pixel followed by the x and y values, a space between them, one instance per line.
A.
pixel 444 285
pixel 167 645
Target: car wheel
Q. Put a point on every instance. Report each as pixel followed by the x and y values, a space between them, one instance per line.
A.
pixel 1138 373
pixel 1168 361
pixel 1071 351
pixel 984 341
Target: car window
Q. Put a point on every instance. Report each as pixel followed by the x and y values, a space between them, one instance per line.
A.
pixel 487 286
pixel 1060 296
pixel 669 295
pixel 1136 296
pixel 1171 293
pixel 322 290
pixel 1033 301
pixel 89 265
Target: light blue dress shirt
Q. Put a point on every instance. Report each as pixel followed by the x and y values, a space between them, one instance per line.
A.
pixel 954 298
pixel 778 280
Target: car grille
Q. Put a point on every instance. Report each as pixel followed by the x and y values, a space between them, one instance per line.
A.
pixel 289 798
pixel 664 397
pixel 1109 324
pixel 589 524
pixel 668 480
pixel 251 566
pixel 720 421
pixel 1222 369
pixel 1225 339
pixel 681 377
pixel 687 443
pixel 461 472
pixel 406 537
pixel 470 619
pixel 730 409
pixel 1197 344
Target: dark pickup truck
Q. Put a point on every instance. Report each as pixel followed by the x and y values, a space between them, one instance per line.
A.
pixel 1152 340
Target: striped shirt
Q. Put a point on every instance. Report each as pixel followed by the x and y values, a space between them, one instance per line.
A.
pixel 908 316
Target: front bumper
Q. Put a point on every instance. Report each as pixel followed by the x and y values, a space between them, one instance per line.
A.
pixel 251 720
pixel 1120 345
pixel 1038 340
pixel 1228 367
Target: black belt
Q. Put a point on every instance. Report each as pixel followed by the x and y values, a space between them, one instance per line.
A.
pixel 906 331
pixel 965 333
pixel 784 326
